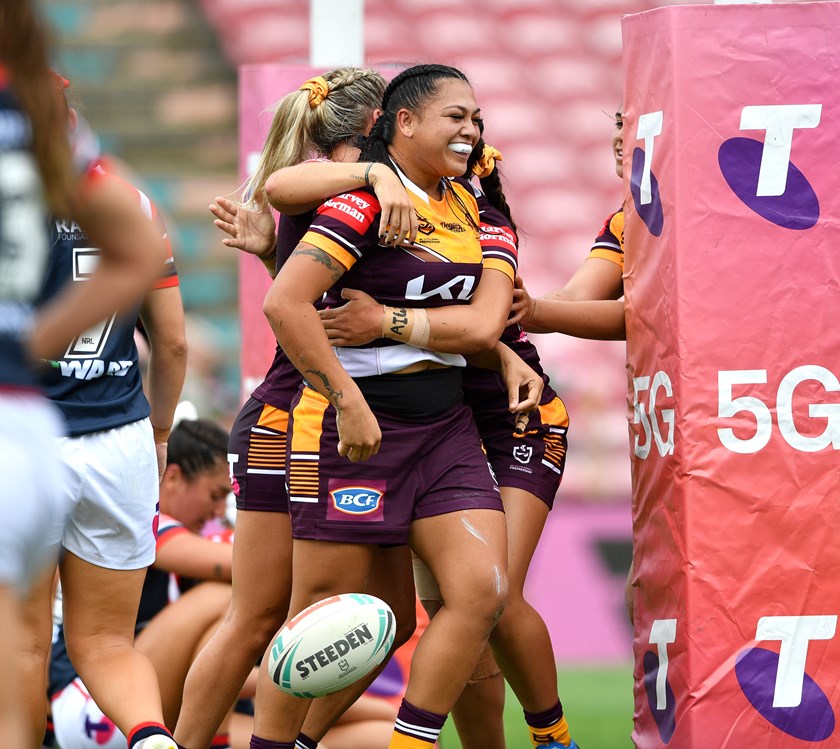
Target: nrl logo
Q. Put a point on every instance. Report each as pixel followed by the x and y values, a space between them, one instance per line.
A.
pixel 523 453
pixel 344 665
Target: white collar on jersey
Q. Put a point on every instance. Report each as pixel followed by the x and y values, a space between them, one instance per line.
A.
pixel 411 187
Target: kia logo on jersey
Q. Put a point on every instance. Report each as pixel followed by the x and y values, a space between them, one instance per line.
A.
pixel 356 500
pixel 761 173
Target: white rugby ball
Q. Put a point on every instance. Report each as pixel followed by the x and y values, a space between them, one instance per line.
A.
pixel 331 644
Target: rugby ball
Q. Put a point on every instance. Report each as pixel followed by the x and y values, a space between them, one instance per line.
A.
pixel 331 644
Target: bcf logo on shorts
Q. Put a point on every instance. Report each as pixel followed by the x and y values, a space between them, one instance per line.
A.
pixel 353 500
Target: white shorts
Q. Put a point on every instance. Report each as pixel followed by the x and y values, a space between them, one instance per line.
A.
pixel 113 490
pixel 80 724
pixel 32 500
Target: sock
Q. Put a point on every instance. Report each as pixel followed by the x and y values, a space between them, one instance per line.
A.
pixel 49 736
pixel 144 730
pixel 304 742
pixel 220 741
pixel 258 743
pixel 415 728
pixel 549 726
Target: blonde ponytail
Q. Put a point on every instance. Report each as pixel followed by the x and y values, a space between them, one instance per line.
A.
pixel 304 127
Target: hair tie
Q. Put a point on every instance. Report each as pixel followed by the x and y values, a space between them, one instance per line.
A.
pixel 59 80
pixel 487 163
pixel 318 90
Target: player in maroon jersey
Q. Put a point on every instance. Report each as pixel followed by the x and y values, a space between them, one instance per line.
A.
pixel 253 231
pixel 403 381
pixel 528 467
pixel 325 118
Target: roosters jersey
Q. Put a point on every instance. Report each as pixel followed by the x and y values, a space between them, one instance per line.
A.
pixel 442 267
pixel 97 384
pixel 24 242
pixel 609 244
pixel 160 587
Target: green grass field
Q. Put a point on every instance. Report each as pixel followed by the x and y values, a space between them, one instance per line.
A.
pixel 598 703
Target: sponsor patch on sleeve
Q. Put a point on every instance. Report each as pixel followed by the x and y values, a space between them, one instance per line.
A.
pixel 355 209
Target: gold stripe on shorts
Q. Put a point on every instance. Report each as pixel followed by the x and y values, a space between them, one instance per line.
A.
pixel 267 442
pixel 306 446
pixel 554 415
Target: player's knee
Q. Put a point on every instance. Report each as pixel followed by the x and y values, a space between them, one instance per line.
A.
pixel 255 631
pixel 484 595
pixel 86 651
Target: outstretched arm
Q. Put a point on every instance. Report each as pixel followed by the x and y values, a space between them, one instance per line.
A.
pixel 599 319
pixel 588 306
pixel 190 555
pixel 250 229
pixel 300 188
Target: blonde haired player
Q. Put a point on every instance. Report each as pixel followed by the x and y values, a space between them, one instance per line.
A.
pixel 324 119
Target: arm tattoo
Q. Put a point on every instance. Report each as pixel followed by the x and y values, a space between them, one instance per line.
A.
pixel 319 256
pixel 333 395
pixel 399 319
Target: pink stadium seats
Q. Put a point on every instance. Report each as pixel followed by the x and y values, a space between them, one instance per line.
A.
pixel 547 75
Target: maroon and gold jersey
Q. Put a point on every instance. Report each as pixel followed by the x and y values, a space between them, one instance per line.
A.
pixel 282 380
pixel 483 388
pixel 442 267
pixel 609 244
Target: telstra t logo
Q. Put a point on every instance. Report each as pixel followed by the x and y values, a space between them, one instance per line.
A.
pixel 762 175
pixel 660 696
pixel 777 685
pixel 643 185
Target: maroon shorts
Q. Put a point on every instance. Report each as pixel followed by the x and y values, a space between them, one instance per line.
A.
pixel 533 461
pixel 426 466
pixel 257 455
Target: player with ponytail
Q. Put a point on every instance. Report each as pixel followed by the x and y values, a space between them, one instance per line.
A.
pixel 528 461
pixel 322 123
